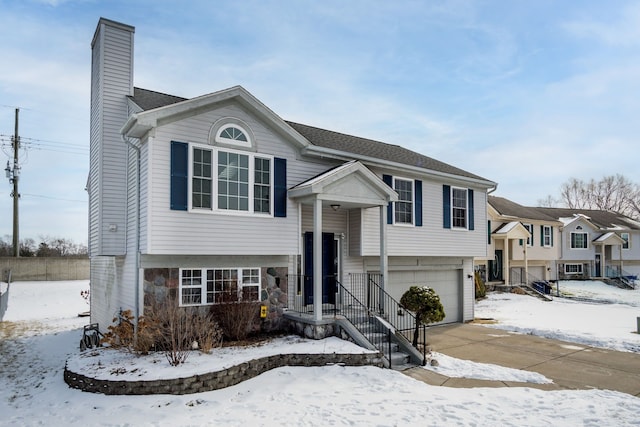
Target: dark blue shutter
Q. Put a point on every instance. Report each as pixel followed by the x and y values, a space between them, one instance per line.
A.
pixel 488 232
pixel 551 236
pixel 280 187
pixel 446 206
pixel 471 219
pixel 179 175
pixel 389 181
pixel 418 205
pixel 542 235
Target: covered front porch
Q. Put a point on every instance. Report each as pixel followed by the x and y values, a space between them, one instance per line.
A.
pixel 339 195
pixel 512 234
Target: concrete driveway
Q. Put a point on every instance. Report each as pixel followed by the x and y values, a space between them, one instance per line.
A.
pixel 570 366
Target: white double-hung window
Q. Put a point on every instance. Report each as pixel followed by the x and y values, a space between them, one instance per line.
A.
pixel 459 207
pixel 403 208
pixel 579 240
pixel 227 180
pixel 206 286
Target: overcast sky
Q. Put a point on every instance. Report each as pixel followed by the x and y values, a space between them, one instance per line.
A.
pixel 525 93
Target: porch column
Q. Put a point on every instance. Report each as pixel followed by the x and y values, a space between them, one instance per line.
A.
pixel 506 263
pixel 526 263
pixel 603 261
pixel 621 262
pixel 317 259
pixel 384 265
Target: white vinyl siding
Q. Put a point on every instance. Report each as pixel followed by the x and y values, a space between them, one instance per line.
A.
pixel 221 233
pixel 431 239
pixel 113 51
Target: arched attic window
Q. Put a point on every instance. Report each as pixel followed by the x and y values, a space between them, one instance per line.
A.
pixel 232 133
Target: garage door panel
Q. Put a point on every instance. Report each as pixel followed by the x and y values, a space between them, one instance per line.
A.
pixel 446 283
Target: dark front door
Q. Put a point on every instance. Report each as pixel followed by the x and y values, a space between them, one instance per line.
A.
pixel 328 268
pixel 495 267
pixel 598 265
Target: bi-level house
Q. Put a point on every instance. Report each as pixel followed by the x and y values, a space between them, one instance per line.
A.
pixel 522 243
pixel 192 198
pixel 528 244
pixel 597 244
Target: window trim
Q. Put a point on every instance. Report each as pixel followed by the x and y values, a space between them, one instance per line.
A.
pixel 412 186
pixel 203 284
pixel 218 138
pixel 578 271
pixel 529 228
pixel 252 156
pixel 627 241
pixel 572 241
pixel 547 235
pixel 466 208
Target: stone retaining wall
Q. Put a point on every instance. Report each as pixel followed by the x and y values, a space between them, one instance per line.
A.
pixel 217 380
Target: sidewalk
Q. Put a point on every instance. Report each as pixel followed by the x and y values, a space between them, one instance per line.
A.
pixel 570 366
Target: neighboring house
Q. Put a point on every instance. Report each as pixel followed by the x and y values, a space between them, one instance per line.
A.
pixel 550 243
pixel 597 244
pixel 522 243
pixel 192 198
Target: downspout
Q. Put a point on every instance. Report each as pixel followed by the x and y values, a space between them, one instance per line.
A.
pixel 137 236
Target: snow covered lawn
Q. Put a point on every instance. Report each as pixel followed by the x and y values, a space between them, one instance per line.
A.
pixel 41 332
pixel 612 325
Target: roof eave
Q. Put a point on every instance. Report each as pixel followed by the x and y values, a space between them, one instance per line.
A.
pixel 387 164
pixel 140 123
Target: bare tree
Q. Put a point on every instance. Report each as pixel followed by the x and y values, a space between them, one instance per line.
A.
pixel 613 193
pixel 548 202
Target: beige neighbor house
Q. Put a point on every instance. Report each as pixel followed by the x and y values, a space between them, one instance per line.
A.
pixel 193 198
pixel 533 244
pixel 522 244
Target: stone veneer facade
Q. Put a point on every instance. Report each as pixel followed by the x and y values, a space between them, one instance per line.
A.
pixel 162 283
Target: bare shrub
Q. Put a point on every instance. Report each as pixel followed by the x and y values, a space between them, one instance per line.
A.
pixel 166 327
pixel 123 334
pixel 183 329
pixel 207 332
pixel 236 318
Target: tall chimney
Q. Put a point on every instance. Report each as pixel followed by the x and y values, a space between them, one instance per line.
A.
pixel 111 83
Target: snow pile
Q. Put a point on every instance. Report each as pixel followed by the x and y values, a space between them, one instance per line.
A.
pixel 32 391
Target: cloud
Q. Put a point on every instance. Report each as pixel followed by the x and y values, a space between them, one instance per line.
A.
pixel 621 30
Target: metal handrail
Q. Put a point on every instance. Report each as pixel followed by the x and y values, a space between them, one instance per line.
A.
pixel 402 320
pixel 358 314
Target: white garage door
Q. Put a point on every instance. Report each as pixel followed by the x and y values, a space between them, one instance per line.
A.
pixel 446 283
pixel 536 272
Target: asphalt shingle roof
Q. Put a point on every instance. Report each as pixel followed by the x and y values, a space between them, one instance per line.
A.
pixel 508 208
pixel 601 219
pixel 148 100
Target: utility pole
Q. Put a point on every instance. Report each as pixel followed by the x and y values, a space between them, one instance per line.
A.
pixel 13 173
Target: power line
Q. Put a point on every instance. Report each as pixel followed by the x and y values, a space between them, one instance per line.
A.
pixel 53 198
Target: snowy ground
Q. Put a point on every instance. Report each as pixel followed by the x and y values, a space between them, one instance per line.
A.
pixel 611 325
pixel 41 331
